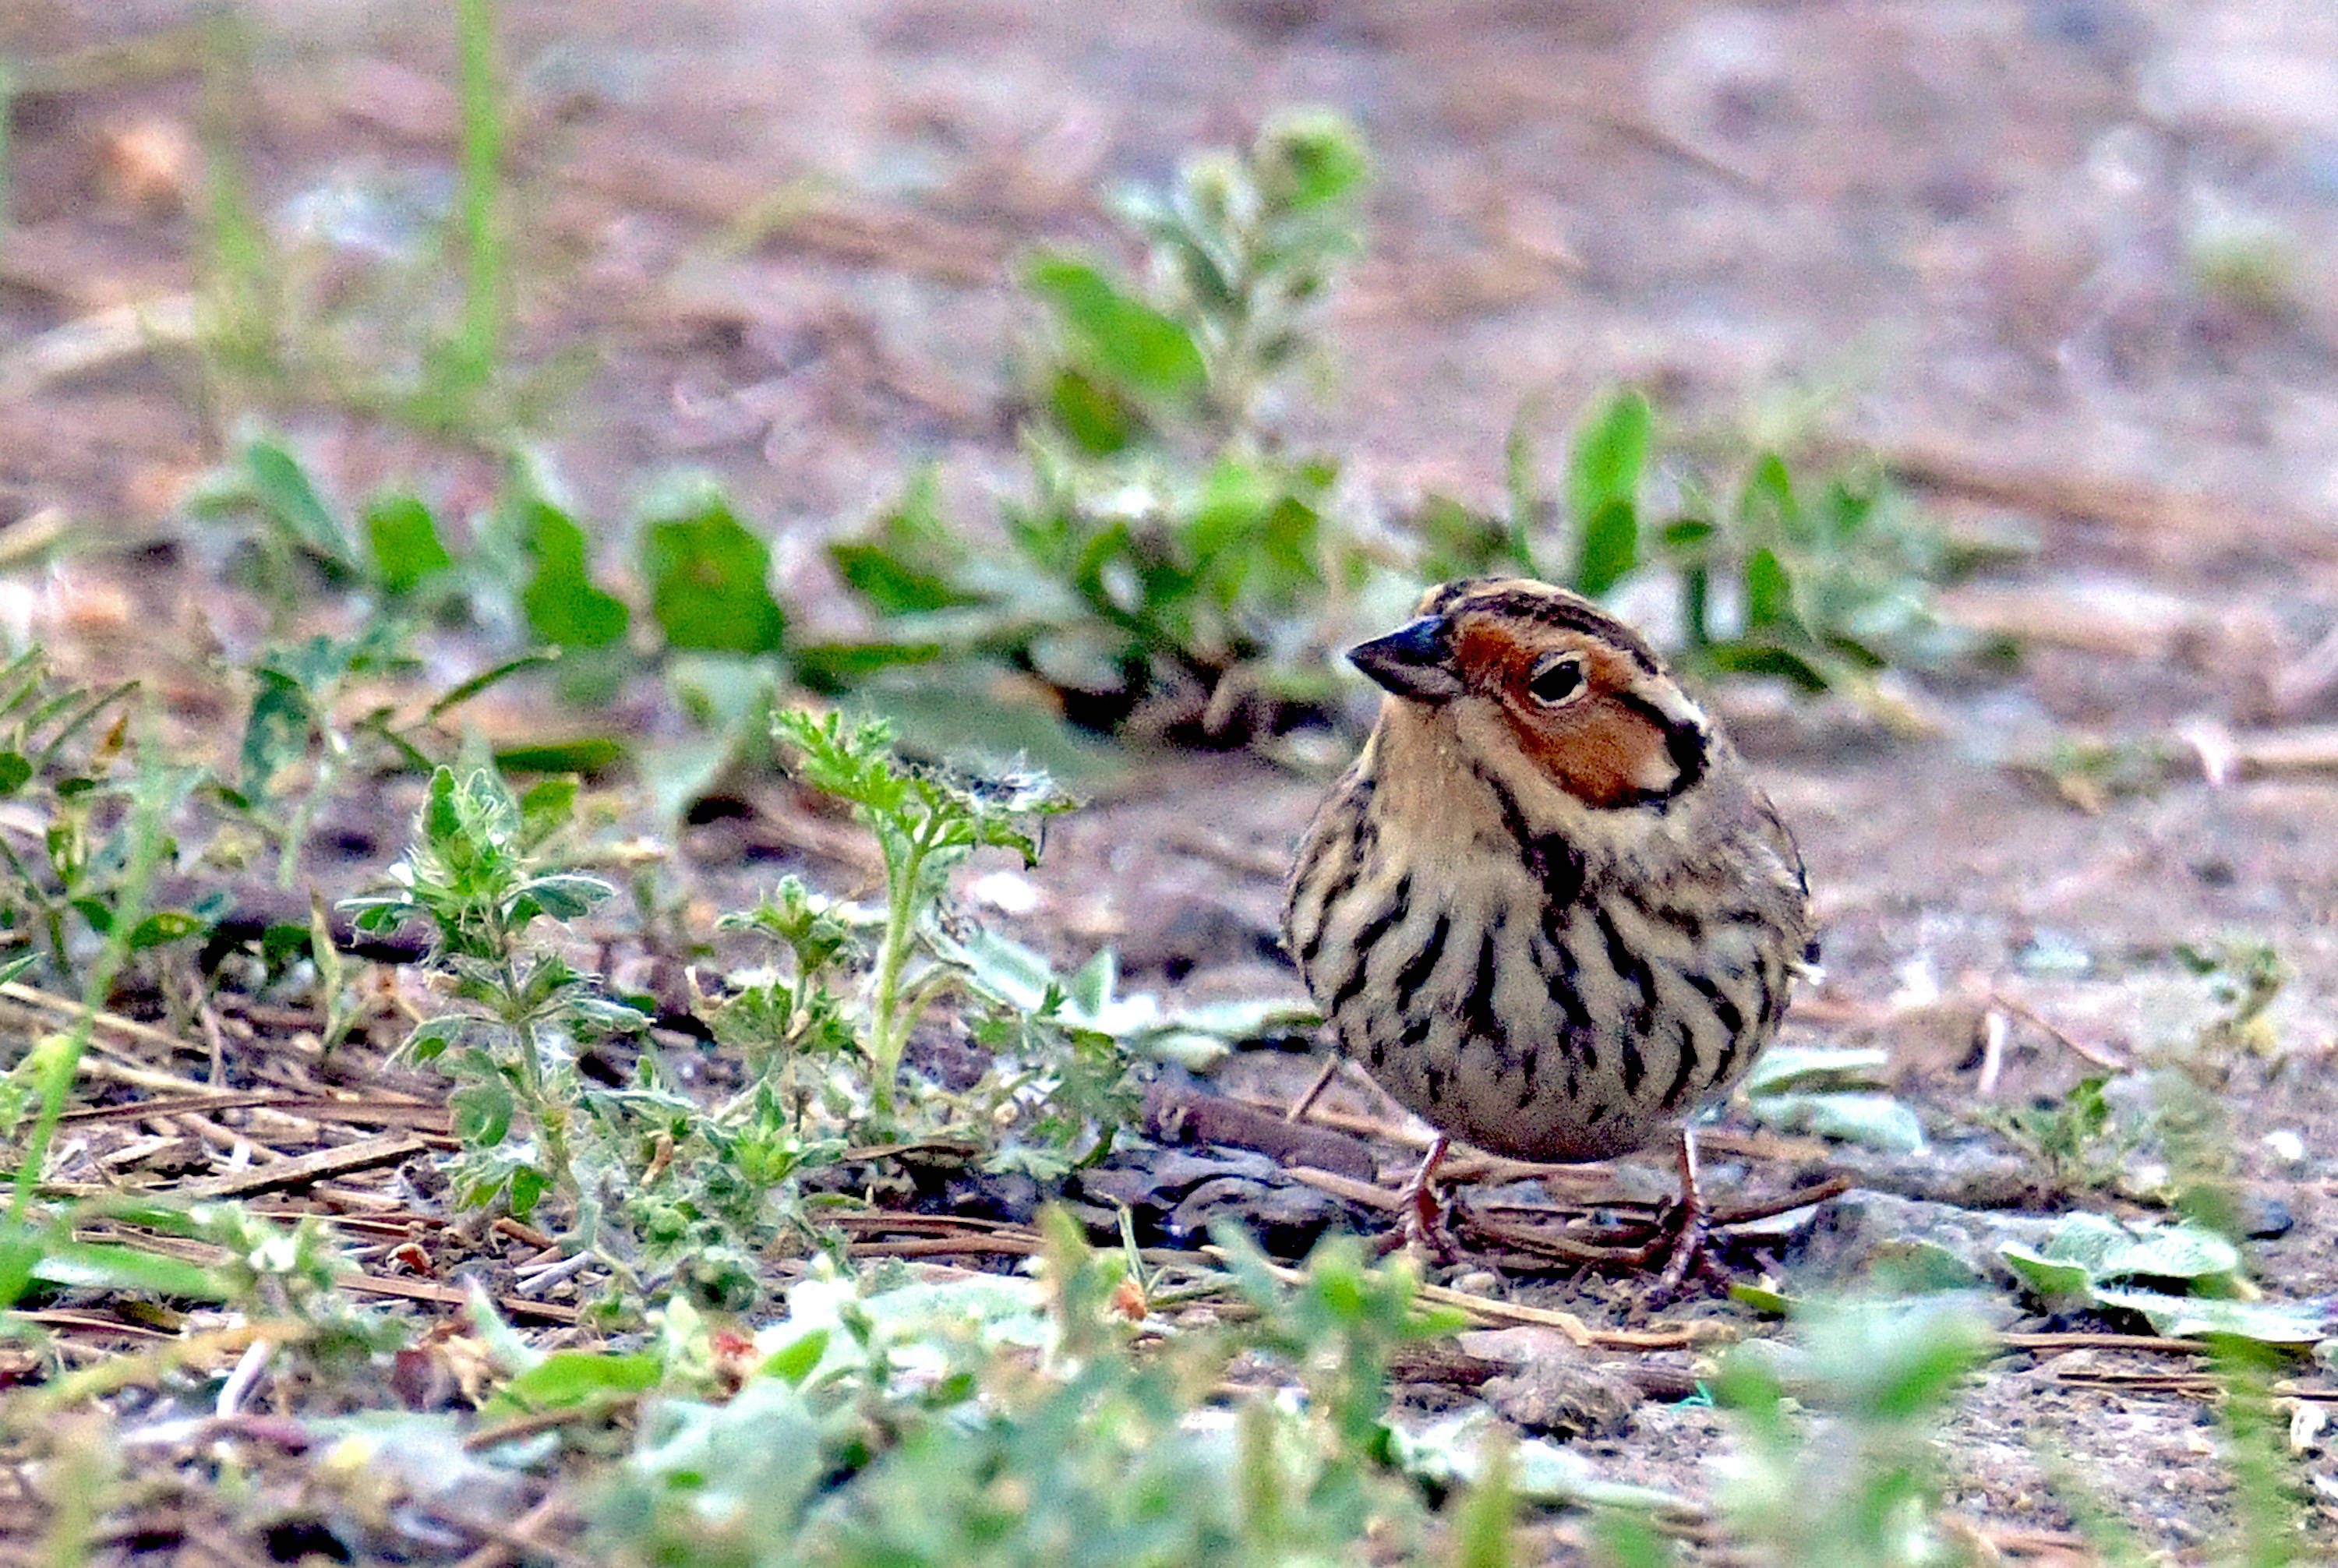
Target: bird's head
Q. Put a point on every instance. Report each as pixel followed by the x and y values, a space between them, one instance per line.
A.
pixel 1581 696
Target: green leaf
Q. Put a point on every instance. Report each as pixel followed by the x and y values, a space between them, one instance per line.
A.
pixel 2189 1317
pixel 91 1265
pixel 891 586
pixel 1873 1120
pixel 1098 419
pixel 19 1256
pixel 16 772
pixel 1312 157
pixel 1769 596
pixel 1122 338
pixel 1687 536
pixel 1763 1299
pixel 1609 457
pixel 710 586
pixel 1784 1068
pixel 1248 523
pixel 403 538
pixel 796 1360
pixel 2086 1250
pixel 566 895
pixel 547 804
pixel 1090 987
pixel 463 691
pixel 1611 547
pixel 1767 508
pixel 833 667
pixel 2048 1278
pixel 482 1112
pixel 589 755
pixel 528 1186
pixel 909 562
pixel 571 1377
pixel 1756 658
pixel 284 939
pixel 275 732
pixel 285 493
pixel 562 604
pixel 1456 542
pixel 162 926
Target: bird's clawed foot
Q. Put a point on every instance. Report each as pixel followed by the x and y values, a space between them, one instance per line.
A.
pixel 1424 1229
pixel 1683 1229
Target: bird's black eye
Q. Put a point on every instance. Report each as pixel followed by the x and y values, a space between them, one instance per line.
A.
pixel 1558 679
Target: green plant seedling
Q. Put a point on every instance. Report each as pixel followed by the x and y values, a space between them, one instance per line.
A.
pixel 926 824
pixel 1865 1491
pixel 473 876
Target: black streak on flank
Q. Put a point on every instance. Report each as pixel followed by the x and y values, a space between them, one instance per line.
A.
pixel 1417 967
pixel 1630 967
pixel 1367 936
pixel 1771 1008
pixel 1687 922
pixel 1688 1064
pixel 1563 977
pixel 1477 1007
pixel 1333 896
pixel 1635 1070
pixel 1727 1059
pixel 1725 1012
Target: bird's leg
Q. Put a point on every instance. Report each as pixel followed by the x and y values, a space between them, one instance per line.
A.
pixel 1424 1217
pixel 1686 1223
pixel 1314 1092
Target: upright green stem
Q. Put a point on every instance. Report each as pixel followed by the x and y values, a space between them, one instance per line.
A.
pixel 52 910
pixel 548 1118
pixel 334 752
pixel 147 837
pixel 888 1035
pixel 483 154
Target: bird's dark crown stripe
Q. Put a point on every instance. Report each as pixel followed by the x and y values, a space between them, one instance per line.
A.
pixel 1543 608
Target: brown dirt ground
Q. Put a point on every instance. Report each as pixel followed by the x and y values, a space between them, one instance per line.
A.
pixel 1980 231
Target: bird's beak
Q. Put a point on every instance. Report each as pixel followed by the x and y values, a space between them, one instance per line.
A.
pixel 1413 660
